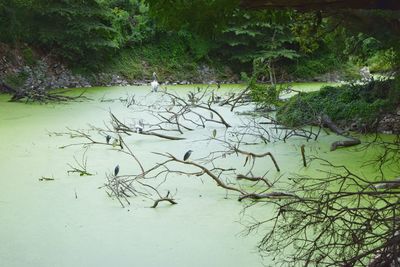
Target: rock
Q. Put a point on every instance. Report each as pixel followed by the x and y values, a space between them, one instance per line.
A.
pixel 390 123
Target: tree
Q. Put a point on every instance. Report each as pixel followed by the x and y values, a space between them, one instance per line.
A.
pixel 260 38
pixel 201 16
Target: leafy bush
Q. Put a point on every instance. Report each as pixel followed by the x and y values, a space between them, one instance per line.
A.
pixel 29 56
pixel 16 80
pixel 347 103
pixel 382 61
pixel 169 55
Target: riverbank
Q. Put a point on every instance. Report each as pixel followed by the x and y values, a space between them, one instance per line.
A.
pixel 24 68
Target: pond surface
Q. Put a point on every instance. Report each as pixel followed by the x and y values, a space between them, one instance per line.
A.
pixel 70 222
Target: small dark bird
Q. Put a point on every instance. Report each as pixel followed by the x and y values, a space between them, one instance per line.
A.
pixel 187 155
pixel 139 126
pixel 116 170
pixel 108 138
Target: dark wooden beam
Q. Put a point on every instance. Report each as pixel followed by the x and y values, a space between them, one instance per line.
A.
pixel 321 4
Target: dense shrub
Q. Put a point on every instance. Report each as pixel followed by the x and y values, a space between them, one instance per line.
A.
pixel 347 103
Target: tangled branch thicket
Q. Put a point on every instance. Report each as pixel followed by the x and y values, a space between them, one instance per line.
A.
pixel 335 218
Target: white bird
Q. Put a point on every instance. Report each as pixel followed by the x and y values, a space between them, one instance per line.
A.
pixel 154 83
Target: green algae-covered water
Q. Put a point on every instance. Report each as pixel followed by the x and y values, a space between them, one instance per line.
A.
pixel 70 222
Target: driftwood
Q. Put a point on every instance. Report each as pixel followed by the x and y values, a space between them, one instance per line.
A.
pixel 389 184
pixel 46 178
pixel 331 125
pixel 268 195
pixel 169 137
pixel 253 179
pixel 170 200
pixel 43 96
pixel 303 155
pixel 326 120
pixel 345 143
pixel 36 94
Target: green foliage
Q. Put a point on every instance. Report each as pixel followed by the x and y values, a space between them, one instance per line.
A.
pixel 266 94
pixel 15 20
pixel 170 57
pixel 261 36
pixel 345 104
pixel 16 80
pixel 75 31
pixel 29 56
pixel 383 61
pixel 132 21
pixel 81 32
pixel 269 43
pixel 204 17
pixel 307 30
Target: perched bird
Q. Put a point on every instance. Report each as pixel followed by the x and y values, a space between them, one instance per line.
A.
pixel 115 142
pixel 108 138
pixel 154 83
pixel 116 170
pixel 139 126
pixel 187 155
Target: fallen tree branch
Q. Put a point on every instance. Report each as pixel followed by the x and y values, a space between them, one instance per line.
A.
pixel 253 179
pixel 170 200
pixel 121 127
pixel 388 184
pixel 303 156
pixel 345 143
pixel 251 154
pixel 268 195
pixel 326 120
pixel 205 171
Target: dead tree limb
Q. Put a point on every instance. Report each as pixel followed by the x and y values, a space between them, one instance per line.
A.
pixel 121 127
pixel 326 120
pixel 395 183
pixel 204 170
pixel 170 200
pixel 253 179
pixel 251 154
pixel 303 156
pixel 268 195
